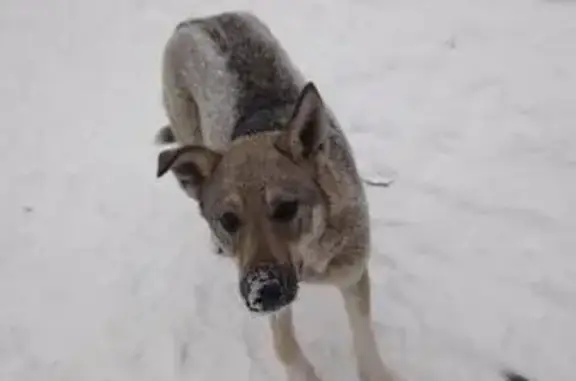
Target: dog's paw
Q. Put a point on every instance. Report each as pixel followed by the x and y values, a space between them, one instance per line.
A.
pixel 301 370
pixel 377 377
pixel 305 373
pixel 372 368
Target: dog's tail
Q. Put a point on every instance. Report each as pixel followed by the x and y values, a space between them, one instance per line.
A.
pixel 513 376
pixel 165 136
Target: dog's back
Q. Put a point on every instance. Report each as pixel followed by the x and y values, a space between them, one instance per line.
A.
pixel 226 76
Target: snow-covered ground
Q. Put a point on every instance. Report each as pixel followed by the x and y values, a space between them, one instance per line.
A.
pixel 106 274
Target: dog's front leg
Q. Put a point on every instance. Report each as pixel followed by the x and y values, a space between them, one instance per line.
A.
pixel 357 304
pixel 288 351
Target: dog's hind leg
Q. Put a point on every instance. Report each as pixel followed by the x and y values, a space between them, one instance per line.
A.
pixel 179 103
pixel 184 119
pixel 288 351
pixel 164 136
pixel 358 308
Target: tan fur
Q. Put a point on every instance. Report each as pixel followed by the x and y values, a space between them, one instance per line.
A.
pixel 308 160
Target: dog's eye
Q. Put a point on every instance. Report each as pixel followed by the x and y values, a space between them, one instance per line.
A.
pixel 230 222
pixel 285 211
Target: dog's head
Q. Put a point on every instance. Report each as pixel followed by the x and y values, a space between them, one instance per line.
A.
pixel 262 200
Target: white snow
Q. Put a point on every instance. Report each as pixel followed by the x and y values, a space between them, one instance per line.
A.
pixel 107 274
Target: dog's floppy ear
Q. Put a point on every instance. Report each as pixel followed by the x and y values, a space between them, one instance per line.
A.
pixel 308 126
pixel 190 164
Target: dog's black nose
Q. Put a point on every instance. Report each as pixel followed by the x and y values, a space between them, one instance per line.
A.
pixel 271 296
pixel 267 288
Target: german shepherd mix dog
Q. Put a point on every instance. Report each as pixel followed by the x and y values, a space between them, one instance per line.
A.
pixel 273 174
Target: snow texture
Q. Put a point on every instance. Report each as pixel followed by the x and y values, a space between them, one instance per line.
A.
pixel 107 274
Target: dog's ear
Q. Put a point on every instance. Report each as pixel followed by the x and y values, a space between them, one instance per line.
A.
pixel 308 126
pixel 191 165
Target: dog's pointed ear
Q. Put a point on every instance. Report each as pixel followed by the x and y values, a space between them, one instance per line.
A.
pixel 308 126
pixel 191 165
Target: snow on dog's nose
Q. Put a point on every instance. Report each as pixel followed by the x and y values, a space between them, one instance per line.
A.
pixel 267 288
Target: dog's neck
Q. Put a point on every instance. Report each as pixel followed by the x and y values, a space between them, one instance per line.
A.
pixel 266 119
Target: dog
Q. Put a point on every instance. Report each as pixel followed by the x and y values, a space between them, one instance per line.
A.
pixel 265 159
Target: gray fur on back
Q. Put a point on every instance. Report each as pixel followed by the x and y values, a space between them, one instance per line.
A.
pixel 267 83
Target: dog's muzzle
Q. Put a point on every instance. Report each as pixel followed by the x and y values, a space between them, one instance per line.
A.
pixel 268 287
